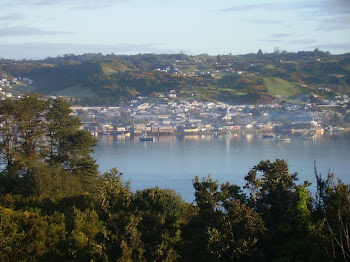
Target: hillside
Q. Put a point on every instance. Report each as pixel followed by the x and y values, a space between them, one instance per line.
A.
pixel 287 90
pixel 251 78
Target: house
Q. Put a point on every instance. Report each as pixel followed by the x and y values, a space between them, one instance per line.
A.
pixel 191 130
pixel 166 129
pixel 145 116
pixel 107 128
pixel 231 127
pixel 143 106
pixel 227 118
pixel 194 121
pixel 121 129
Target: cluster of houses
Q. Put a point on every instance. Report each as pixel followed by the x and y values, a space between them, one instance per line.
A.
pixel 167 117
pixel 6 84
pixel 178 69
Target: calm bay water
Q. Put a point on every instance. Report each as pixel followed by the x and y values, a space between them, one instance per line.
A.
pixel 173 161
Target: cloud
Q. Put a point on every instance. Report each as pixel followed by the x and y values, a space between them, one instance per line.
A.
pixel 322 15
pixel 250 7
pixel 329 27
pixel 280 35
pixel 273 6
pixel 334 7
pixel 338 46
pixel 271 40
pixel 314 8
pixel 277 38
pixel 27 31
pixel 341 22
pixel 43 50
pixel 15 16
pixel 302 41
pixel 266 21
pixel 69 3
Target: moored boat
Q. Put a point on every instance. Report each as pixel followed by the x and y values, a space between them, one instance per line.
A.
pixel 282 139
pixel 146 138
pixel 268 136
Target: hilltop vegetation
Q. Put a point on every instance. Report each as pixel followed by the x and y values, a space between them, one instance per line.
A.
pixel 251 78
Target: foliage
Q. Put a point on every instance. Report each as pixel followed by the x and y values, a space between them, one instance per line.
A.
pixel 39 136
pixel 159 225
pixel 121 238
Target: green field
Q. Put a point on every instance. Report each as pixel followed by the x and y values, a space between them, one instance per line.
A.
pixel 108 71
pixel 23 88
pixel 287 90
pixel 75 91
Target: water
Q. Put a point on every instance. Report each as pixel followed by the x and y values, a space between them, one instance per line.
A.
pixel 173 161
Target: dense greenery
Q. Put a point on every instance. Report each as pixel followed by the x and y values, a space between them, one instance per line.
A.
pixel 54 206
pixel 115 79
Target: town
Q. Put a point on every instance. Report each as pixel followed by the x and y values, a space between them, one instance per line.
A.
pixel 167 116
pixel 181 94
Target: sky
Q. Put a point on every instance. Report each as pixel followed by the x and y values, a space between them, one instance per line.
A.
pixel 35 29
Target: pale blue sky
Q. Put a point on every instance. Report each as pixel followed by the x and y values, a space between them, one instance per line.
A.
pixel 41 28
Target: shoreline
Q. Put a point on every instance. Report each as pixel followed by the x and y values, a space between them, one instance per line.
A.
pixel 300 132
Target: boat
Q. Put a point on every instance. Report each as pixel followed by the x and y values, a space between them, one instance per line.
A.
pixel 269 136
pixel 282 139
pixel 146 138
pixel 308 136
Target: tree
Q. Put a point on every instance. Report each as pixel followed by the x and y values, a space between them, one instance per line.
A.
pixel 69 146
pixel 23 146
pixel 226 226
pixel 276 51
pixel 195 231
pixel 115 200
pixel 38 138
pixel 285 208
pixel 27 236
pixel 8 132
pixel 83 228
pixel 23 131
pixel 333 208
pixel 236 235
pixel 335 119
pixel 160 211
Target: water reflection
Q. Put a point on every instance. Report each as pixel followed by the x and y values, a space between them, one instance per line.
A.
pixel 192 138
pixel 249 138
pixel 122 137
pixel 173 161
pixel 106 138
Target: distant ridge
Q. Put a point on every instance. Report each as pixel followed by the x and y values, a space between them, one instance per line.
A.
pixel 250 78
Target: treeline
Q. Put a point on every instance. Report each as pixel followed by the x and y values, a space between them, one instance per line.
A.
pixel 54 206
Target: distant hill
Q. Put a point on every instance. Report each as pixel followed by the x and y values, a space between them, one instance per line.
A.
pixel 251 78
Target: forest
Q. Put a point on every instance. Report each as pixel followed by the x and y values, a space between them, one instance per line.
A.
pixel 56 206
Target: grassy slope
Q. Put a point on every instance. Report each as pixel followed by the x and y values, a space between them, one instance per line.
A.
pixel 75 91
pixel 288 90
pixel 108 71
